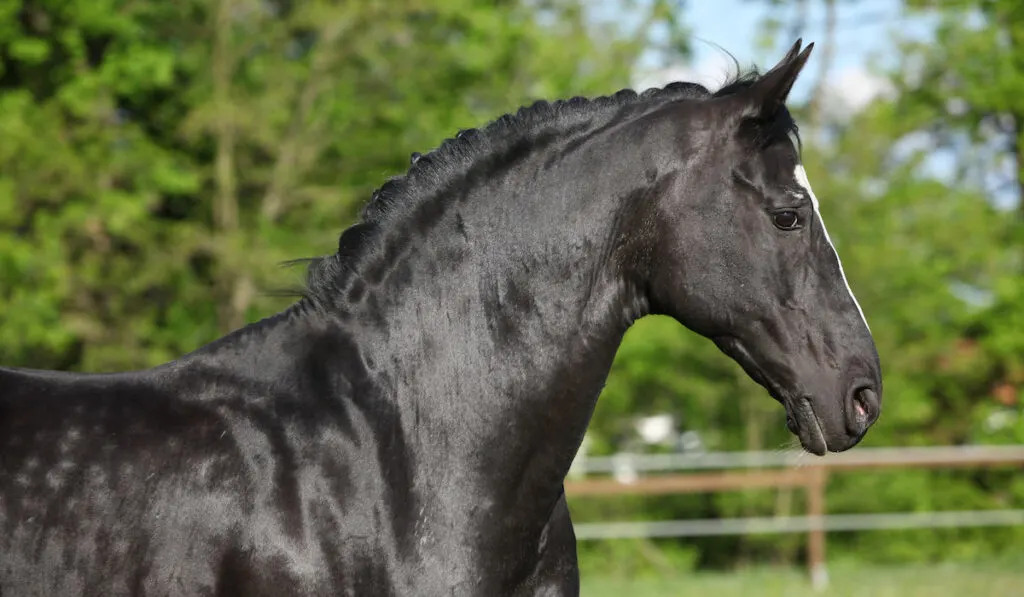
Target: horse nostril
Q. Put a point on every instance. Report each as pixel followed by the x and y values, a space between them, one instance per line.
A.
pixel 858 406
pixel 865 407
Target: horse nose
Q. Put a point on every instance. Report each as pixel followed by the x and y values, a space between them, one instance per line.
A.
pixel 862 407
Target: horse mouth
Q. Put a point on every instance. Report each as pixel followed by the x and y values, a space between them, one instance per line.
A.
pixel 801 420
pixel 800 417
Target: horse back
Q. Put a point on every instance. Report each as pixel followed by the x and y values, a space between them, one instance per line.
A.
pixel 112 485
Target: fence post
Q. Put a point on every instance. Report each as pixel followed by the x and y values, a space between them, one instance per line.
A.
pixel 817 480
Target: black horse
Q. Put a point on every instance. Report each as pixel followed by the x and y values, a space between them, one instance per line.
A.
pixel 405 427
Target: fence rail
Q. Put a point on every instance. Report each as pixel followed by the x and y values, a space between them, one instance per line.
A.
pixel 858 457
pixel 769 525
pixel 779 470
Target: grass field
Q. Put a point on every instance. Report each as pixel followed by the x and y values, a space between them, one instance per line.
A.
pixel 933 581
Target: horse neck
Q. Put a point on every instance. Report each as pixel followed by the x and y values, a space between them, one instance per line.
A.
pixel 496 331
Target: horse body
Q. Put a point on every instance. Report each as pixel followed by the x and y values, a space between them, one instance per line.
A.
pixel 108 479
pixel 275 462
pixel 405 428
pixel 315 453
pixel 287 478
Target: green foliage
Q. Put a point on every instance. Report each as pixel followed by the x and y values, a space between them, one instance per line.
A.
pixel 938 266
pixel 158 158
pixel 637 558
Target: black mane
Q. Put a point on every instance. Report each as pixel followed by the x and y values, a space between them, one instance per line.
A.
pixel 433 173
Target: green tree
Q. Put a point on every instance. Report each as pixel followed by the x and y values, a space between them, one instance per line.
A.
pixel 965 92
pixel 159 157
pixel 935 258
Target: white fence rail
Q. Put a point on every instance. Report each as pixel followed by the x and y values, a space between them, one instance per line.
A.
pixel 858 457
pixel 797 524
pixel 632 474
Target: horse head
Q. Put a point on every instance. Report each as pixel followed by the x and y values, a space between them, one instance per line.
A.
pixel 746 261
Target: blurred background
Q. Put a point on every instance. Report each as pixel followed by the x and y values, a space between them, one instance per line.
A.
pixel 159 161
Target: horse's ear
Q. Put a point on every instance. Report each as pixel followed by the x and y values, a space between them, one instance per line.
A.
pixel 765 98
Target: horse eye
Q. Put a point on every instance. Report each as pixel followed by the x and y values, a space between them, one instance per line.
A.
pixel 786 220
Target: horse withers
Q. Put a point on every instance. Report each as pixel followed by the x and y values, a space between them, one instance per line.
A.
pixel 405 427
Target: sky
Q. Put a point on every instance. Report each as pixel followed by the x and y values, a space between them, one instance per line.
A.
pixel 867 32
pixel 864 35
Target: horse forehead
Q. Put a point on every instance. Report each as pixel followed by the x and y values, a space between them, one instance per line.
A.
pixel 800 177
pixel 798 173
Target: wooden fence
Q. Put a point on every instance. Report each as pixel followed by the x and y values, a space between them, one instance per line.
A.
pixel 779 470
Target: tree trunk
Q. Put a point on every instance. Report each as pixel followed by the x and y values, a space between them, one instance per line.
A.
pixel 232 284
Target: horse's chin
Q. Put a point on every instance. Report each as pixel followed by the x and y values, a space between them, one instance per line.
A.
pixel 801 419
pixel 804 424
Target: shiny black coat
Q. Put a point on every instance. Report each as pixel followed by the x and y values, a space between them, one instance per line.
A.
pixel 406 426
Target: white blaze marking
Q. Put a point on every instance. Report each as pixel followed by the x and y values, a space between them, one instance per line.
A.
pixel 801 179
